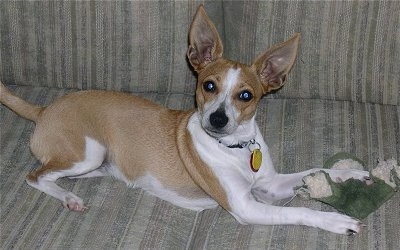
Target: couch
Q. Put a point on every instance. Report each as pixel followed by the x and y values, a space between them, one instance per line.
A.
pixel 343 94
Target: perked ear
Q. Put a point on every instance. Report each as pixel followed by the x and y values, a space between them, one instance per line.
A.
pixel 273 66
pixel 205 45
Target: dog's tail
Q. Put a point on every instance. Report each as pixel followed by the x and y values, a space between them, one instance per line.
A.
pixel 19 106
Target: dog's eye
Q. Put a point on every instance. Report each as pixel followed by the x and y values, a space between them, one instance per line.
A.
pixel 245 96
pixel 209 86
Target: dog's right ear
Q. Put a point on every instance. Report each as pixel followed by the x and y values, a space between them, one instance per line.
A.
pixel 205 45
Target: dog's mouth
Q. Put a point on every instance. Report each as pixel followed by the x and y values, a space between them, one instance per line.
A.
pixel 218 124
pixel 232 133
pixel 231 139
pixel 215 133
pixel 218 132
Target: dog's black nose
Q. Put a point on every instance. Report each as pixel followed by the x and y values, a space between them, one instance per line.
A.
pixel 218 119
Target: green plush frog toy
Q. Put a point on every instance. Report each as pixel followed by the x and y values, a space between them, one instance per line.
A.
pixel 353 197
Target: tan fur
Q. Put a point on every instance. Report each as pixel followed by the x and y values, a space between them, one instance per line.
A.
pixel 267 73
pixel 183 157
pixel 24 109
pixel 216 72
pixel 142 137
pixel 198 170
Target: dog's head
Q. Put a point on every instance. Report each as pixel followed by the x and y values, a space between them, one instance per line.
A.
pixel 228 92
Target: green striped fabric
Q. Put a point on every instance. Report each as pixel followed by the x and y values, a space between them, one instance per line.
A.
pixel 349 50
pixel 133 46
pixel 300 134
pixel 343 95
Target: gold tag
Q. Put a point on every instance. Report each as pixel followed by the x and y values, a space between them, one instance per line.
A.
pixel 256 160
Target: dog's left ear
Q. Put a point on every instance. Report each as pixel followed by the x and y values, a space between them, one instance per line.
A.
pixel 205 45
pixel 273 66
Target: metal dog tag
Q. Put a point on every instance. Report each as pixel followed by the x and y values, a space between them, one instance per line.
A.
pixel 256 160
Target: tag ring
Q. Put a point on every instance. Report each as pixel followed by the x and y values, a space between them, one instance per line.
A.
pixel 253 145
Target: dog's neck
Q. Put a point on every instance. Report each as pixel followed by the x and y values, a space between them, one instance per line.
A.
pixel 244 134
pixel 239 145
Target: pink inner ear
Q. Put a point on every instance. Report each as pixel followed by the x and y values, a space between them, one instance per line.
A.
pixel 205 43
pixel 202 55
pixel 201 52
pixel 271 75
pixel 205 53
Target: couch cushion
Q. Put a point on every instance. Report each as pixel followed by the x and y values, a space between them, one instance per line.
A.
pixel 300 134
pixel 349 50
pixel 124 45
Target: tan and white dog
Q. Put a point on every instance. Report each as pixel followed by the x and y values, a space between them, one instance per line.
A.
pixel 195 159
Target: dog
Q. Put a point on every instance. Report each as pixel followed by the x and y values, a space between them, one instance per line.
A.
pixel 198 159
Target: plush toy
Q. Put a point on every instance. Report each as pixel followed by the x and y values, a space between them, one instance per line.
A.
pixel 353 197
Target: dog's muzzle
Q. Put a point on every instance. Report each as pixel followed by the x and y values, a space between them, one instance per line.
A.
pixel 218 119
pixel 218 124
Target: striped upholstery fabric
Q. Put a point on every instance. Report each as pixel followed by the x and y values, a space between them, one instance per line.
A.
pixel 342 95
pixel 349 50
pixel 131 46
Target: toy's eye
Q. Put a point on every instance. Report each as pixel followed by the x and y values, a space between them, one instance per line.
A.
pixel 209 86
pixel 245 96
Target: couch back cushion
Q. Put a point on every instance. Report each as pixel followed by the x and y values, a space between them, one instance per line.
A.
pixel 349 50
pixel 137 46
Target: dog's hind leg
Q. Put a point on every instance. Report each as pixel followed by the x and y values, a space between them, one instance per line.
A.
pixel 99 172
pixel 46 183
pixel 44 178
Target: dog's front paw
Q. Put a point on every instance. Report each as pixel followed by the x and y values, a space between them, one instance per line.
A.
pixel 344 175
pixel 341 224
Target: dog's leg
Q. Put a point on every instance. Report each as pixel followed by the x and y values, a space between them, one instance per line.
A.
pixel 47 185
pixel 247 208
pixel 248 211
pixel 282 186
pixel 100 172
pixel 44 178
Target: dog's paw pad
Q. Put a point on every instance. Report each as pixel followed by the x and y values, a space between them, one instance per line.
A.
pixel 342 224
pixel 75 204
pixel 351 232
pixel 76 207
pixel 368 180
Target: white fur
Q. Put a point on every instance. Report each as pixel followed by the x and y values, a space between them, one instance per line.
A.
pixel 153 186
pixel 89 167
pixel 234 132
pixel 224 100
pixel 250 194
pixel 94 156
pixel 156 188
pixel 231 79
